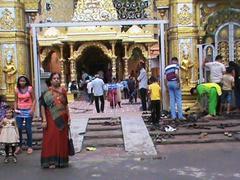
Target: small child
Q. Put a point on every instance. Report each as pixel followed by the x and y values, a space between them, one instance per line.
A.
pixel 154 91
pixel 9 135
pixel 228 84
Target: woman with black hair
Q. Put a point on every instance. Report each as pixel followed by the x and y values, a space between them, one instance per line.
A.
pixel 24 107
pixel 236 68
pixel 55 123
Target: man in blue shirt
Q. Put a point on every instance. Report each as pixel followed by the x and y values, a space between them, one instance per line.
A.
pixel 172 81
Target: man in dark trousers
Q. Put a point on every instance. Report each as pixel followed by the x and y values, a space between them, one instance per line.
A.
pixel 143 85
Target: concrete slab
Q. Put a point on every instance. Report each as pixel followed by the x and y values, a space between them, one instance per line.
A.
pixel 136 137
pixel 78 129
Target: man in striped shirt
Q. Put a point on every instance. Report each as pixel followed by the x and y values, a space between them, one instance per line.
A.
pixel 172 81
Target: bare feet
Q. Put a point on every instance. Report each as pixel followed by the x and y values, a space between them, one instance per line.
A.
pixel 18 150
pixel 29 150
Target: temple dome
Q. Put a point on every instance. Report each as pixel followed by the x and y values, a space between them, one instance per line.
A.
pixel 135 30
pixel 51 32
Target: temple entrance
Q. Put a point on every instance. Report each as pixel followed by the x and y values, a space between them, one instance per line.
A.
pixel 93 61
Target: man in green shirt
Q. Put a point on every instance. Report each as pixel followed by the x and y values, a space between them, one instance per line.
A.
pixel 211 91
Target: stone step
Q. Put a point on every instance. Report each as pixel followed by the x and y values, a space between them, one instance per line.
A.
pixel 104 142
pixel 194 139
pixel 35 136
pixel 99 118
pixel 186 131
pixel 92 122
pixel 102 128
pixel 103 134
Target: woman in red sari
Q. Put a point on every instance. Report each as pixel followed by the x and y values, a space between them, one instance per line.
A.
pixel 56 119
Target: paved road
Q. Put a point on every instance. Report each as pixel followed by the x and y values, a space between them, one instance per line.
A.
pixel 180 162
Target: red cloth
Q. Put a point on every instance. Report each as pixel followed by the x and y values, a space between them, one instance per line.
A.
pixel 112 95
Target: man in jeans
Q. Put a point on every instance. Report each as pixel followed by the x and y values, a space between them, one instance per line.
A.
pixel 143 85
pixel 98 91
pixel 172 81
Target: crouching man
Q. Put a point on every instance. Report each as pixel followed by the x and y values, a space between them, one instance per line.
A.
pixel 209 92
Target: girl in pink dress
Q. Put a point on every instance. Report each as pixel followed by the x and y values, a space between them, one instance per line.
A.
pixel 9 135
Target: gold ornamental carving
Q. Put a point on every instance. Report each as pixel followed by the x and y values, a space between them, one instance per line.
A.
pixel 185 17
pixel 80 50
pixel 10 73
pixel 141 47
pixel 95 10
pixel 21 57
pixel 223 50
pixel 7 21
pixel 237 51
pixel 31 5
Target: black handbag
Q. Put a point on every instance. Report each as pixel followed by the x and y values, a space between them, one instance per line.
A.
pixel 71 150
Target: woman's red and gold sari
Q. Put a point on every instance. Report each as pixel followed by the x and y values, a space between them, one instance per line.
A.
pixel 55 136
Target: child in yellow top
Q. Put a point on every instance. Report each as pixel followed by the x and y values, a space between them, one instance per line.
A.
pixel 154 91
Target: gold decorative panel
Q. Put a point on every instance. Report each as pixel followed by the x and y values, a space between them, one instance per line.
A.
pixel 31 5
pixel 95 10
pixel 185 16
pixel 7 19
pixel 56 10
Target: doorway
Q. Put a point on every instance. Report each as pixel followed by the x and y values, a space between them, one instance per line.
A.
pixel 93 61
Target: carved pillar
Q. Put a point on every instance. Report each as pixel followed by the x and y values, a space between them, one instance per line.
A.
pixel 125 61
pixel 72 64
pixel 114 66
pixel 13 43
pixel 183 36
pixel 183 40
pixel 114 73
pixel 149 61
pixel 62 60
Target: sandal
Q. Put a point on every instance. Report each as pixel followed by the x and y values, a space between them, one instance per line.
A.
pixel 52 166
pixel 29 150
pixel 18 151
pixel 6 160
pixel 15 159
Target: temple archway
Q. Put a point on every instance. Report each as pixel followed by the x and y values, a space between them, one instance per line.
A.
pixel 93 60
pixel 137 53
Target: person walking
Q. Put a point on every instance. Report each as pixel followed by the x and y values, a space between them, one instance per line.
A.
pixel 24 108
pixel 90 91
pixel 55 123
pixel 125 88
pixel 172 81
pixel 154 91
pixel 143 85
pixel 132 89
pixel 9 135
pixel 98 91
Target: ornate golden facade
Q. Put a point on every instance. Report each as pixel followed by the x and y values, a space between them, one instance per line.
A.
pixel 195 28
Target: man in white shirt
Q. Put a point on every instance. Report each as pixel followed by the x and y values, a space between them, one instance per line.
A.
pixel 90 91
pixel 217 69
pixel 143 85
pixel 98 91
